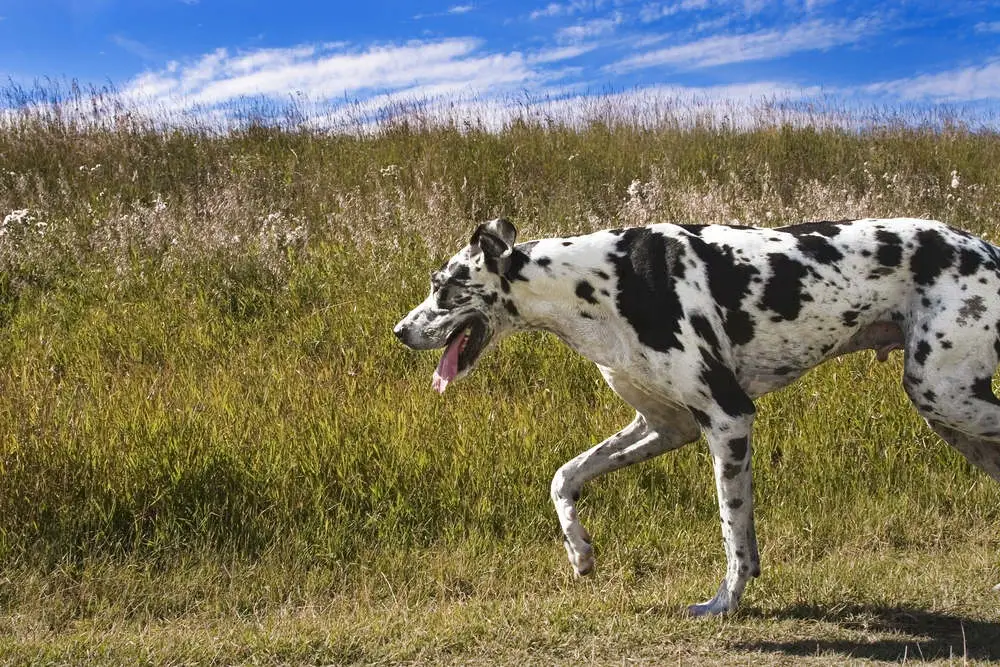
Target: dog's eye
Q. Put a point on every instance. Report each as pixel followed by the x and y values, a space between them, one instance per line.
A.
pixel 445 296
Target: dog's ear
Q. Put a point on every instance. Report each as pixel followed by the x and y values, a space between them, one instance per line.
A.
pixel 495 239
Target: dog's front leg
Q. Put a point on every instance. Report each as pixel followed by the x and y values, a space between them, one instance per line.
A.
pixel 598 460
pixel 729 443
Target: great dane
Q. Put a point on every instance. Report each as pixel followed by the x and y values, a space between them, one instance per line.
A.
pixel 689 324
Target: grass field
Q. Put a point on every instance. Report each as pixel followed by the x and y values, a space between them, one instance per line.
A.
pixel 213 451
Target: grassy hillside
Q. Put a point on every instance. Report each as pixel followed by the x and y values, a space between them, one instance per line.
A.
pixel 213 450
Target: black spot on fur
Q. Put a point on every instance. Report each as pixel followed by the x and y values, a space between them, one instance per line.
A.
pixel 734 504
pixel 968 262
pixel 947 344
pixel 585 315
pixel 739 327
pixel 890 249
pixel 738 448
pixel 679 271
pixel 983 390
pixel 730 470
pixel 849 317
pixel 505 285
pixel 543 261
pixel 647 298
pixel 824 227
pixel 490 298
pixel 703 328
pixel 922 351
pixel 930 396
pixel 783 293
pixel 933 256
pixel 460 274
pixel 585 291
pixel 567 243
pixel 510 307
pixel 518 260
pixel 972 307
pixel 702 418
pixel 879 271
pixel 819 249
pixel 724 387
pixel 601 274
pixel 729 283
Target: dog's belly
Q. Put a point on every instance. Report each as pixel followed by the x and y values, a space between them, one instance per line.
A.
pixel 765 368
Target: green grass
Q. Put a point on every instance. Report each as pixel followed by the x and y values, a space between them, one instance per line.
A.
pixel 214 451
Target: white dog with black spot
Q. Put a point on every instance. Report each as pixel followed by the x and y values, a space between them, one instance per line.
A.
pixel 690 323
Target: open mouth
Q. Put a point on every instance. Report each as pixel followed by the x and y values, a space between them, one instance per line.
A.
pixel 461 352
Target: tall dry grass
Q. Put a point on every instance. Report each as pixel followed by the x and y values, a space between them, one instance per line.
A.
pixel 196 361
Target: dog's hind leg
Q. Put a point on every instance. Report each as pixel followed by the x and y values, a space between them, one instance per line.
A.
pixel 954 394
pixel 636 442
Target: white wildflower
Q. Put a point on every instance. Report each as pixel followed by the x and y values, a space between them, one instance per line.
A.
pixel 17 216
pixel 954 179
pixel 635 188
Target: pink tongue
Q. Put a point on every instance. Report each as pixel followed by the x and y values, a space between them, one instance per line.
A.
pixel 448 366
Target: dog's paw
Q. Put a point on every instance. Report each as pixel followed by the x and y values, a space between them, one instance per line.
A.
pixel 710 608
pixel 723 603
pixel 582 558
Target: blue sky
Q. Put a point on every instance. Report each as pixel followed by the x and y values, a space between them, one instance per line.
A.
pixel 197 55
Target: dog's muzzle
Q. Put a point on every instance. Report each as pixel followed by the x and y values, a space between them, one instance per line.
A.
pixel 402 332
pixel 462 346
pixel 412 336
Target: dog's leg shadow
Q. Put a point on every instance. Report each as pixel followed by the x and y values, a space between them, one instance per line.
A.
pixel 884 633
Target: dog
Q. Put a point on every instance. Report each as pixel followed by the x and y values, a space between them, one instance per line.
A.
pixel 690 323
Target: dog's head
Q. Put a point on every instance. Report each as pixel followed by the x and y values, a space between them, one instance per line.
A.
pixel 467 310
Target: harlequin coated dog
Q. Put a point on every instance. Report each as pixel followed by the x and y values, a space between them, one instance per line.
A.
pixel 689 324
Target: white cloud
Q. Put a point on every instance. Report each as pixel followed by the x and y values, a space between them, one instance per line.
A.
pixel 654 11
pixel 589 29
pixel 567 8
pixel 991 26
pixel 322 73
pixel 965 84
pixel 561 53
pixel 461 9
pixel 762 45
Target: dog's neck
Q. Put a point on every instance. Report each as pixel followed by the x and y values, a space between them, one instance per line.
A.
pixel 563 286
